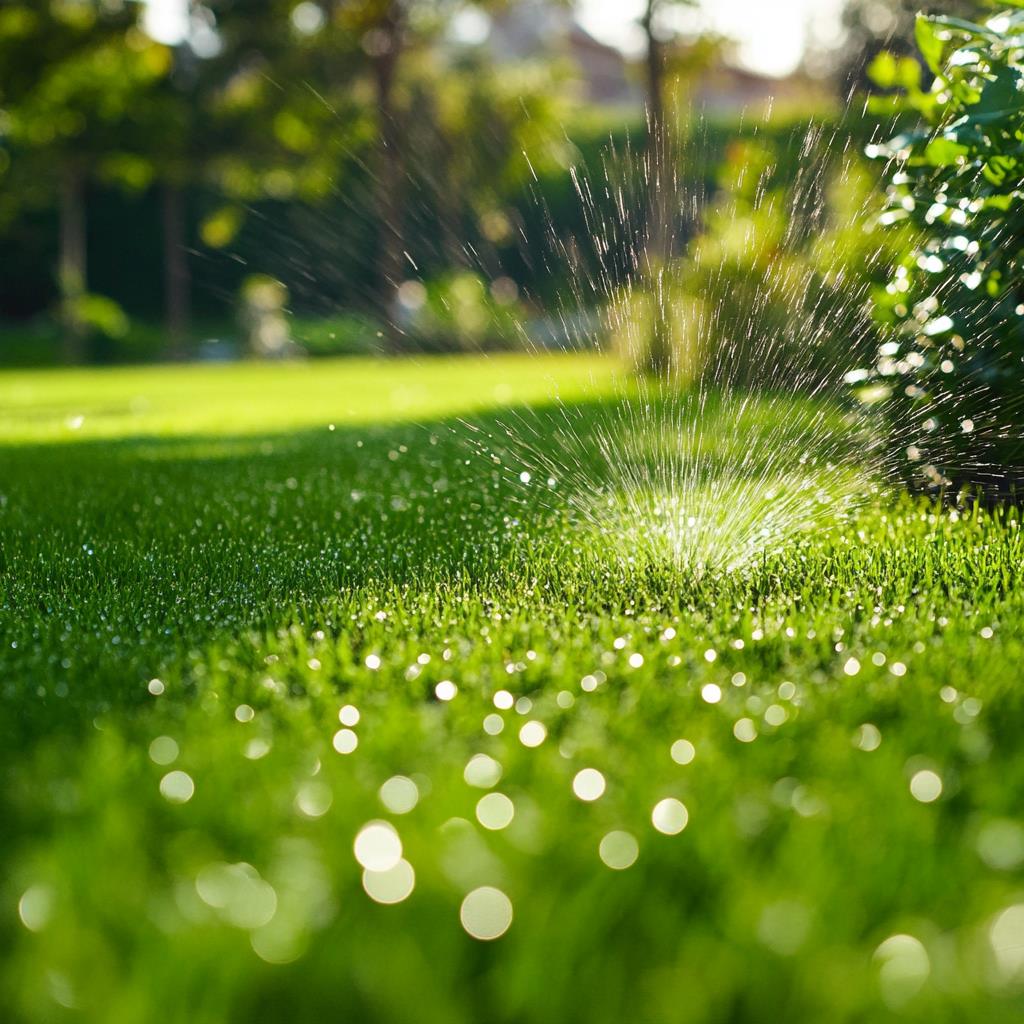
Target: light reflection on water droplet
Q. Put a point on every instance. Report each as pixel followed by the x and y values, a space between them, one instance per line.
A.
pixel 345 741
pixel 486 913
pixel 670 816
pixel 314 799
pixel 445 690
pixel 399 794
pixel 588 785
pixel 533 734
pixel 495 811
pixel 177 787
pixel 163 750
pixel 926 786
pixel 503 700
pixel 392 885
pixel 36 907
pixel 744 730
pixel 683 752
pixel 482 771
pixel 377 847
pixel 619 850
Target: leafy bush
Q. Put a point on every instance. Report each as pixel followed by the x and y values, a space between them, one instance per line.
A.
pixel 776 286
pixel 461 311
pixel 347 334
pixel 954 304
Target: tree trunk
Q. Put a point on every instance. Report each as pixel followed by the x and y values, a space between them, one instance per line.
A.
pixel 72 268
pixel 177 280
pixel 389 171
pixel 661 186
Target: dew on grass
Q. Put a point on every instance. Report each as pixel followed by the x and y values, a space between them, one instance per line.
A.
pixel 1000 844
pixel 495 811
pixel 349 715
pixel 163 750
pixel 391 886
pixel 486 913
pixel 177 787
pixel 619 850
pixel 482 771
pixel 238 893
pixel 925 786
pixel 683 752
pixel 503 700
pixel 533 734
pixel 493 724
pixel 588 785
pixel 345 741
pixel 244 713
pixel 399 794
pixel 377 846
pixel 711 693
pixel 372 662
pixel 35 907
pixel 1006 937
pixel 313 799
pixel 745 730
pixel 867 737
pixel 670 816
pixel 156 687
pixel 256 748
pixel 903 968
pixel 445 690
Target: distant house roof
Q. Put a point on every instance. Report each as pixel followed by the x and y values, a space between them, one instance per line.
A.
pixel 536 29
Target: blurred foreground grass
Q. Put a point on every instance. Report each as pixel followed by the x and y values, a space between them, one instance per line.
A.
pixel 235 638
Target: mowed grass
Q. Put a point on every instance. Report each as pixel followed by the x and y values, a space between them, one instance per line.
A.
pixel 233 638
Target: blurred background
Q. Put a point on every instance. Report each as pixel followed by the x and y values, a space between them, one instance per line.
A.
pixel 215 179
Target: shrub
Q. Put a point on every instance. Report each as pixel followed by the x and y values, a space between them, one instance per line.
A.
pixel 774 291
pixel 461 311
pixel 954 305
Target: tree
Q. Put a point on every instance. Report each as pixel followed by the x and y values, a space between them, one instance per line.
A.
pixel 73 74
pixel 663 66
pixel 871 26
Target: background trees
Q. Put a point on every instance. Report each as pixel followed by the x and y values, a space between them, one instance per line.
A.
pixel 75 91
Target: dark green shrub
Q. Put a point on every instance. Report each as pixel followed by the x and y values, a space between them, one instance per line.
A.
pixel 951 363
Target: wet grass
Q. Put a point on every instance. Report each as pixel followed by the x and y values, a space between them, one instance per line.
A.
pixel 199 575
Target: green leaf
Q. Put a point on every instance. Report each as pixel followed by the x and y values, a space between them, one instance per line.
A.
pixel 929 43
pixel 944 152
pixel 1001 92
pixel 883 70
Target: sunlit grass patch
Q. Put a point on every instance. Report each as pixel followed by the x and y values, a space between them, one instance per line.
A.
pixel 396 719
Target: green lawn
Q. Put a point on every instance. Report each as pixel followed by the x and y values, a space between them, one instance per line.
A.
pixel 250 613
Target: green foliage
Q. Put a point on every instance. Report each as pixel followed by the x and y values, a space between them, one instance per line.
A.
pixel 204 527
pixel 774 287
pixel 954 307
pixel 461 310
pixel 346 334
